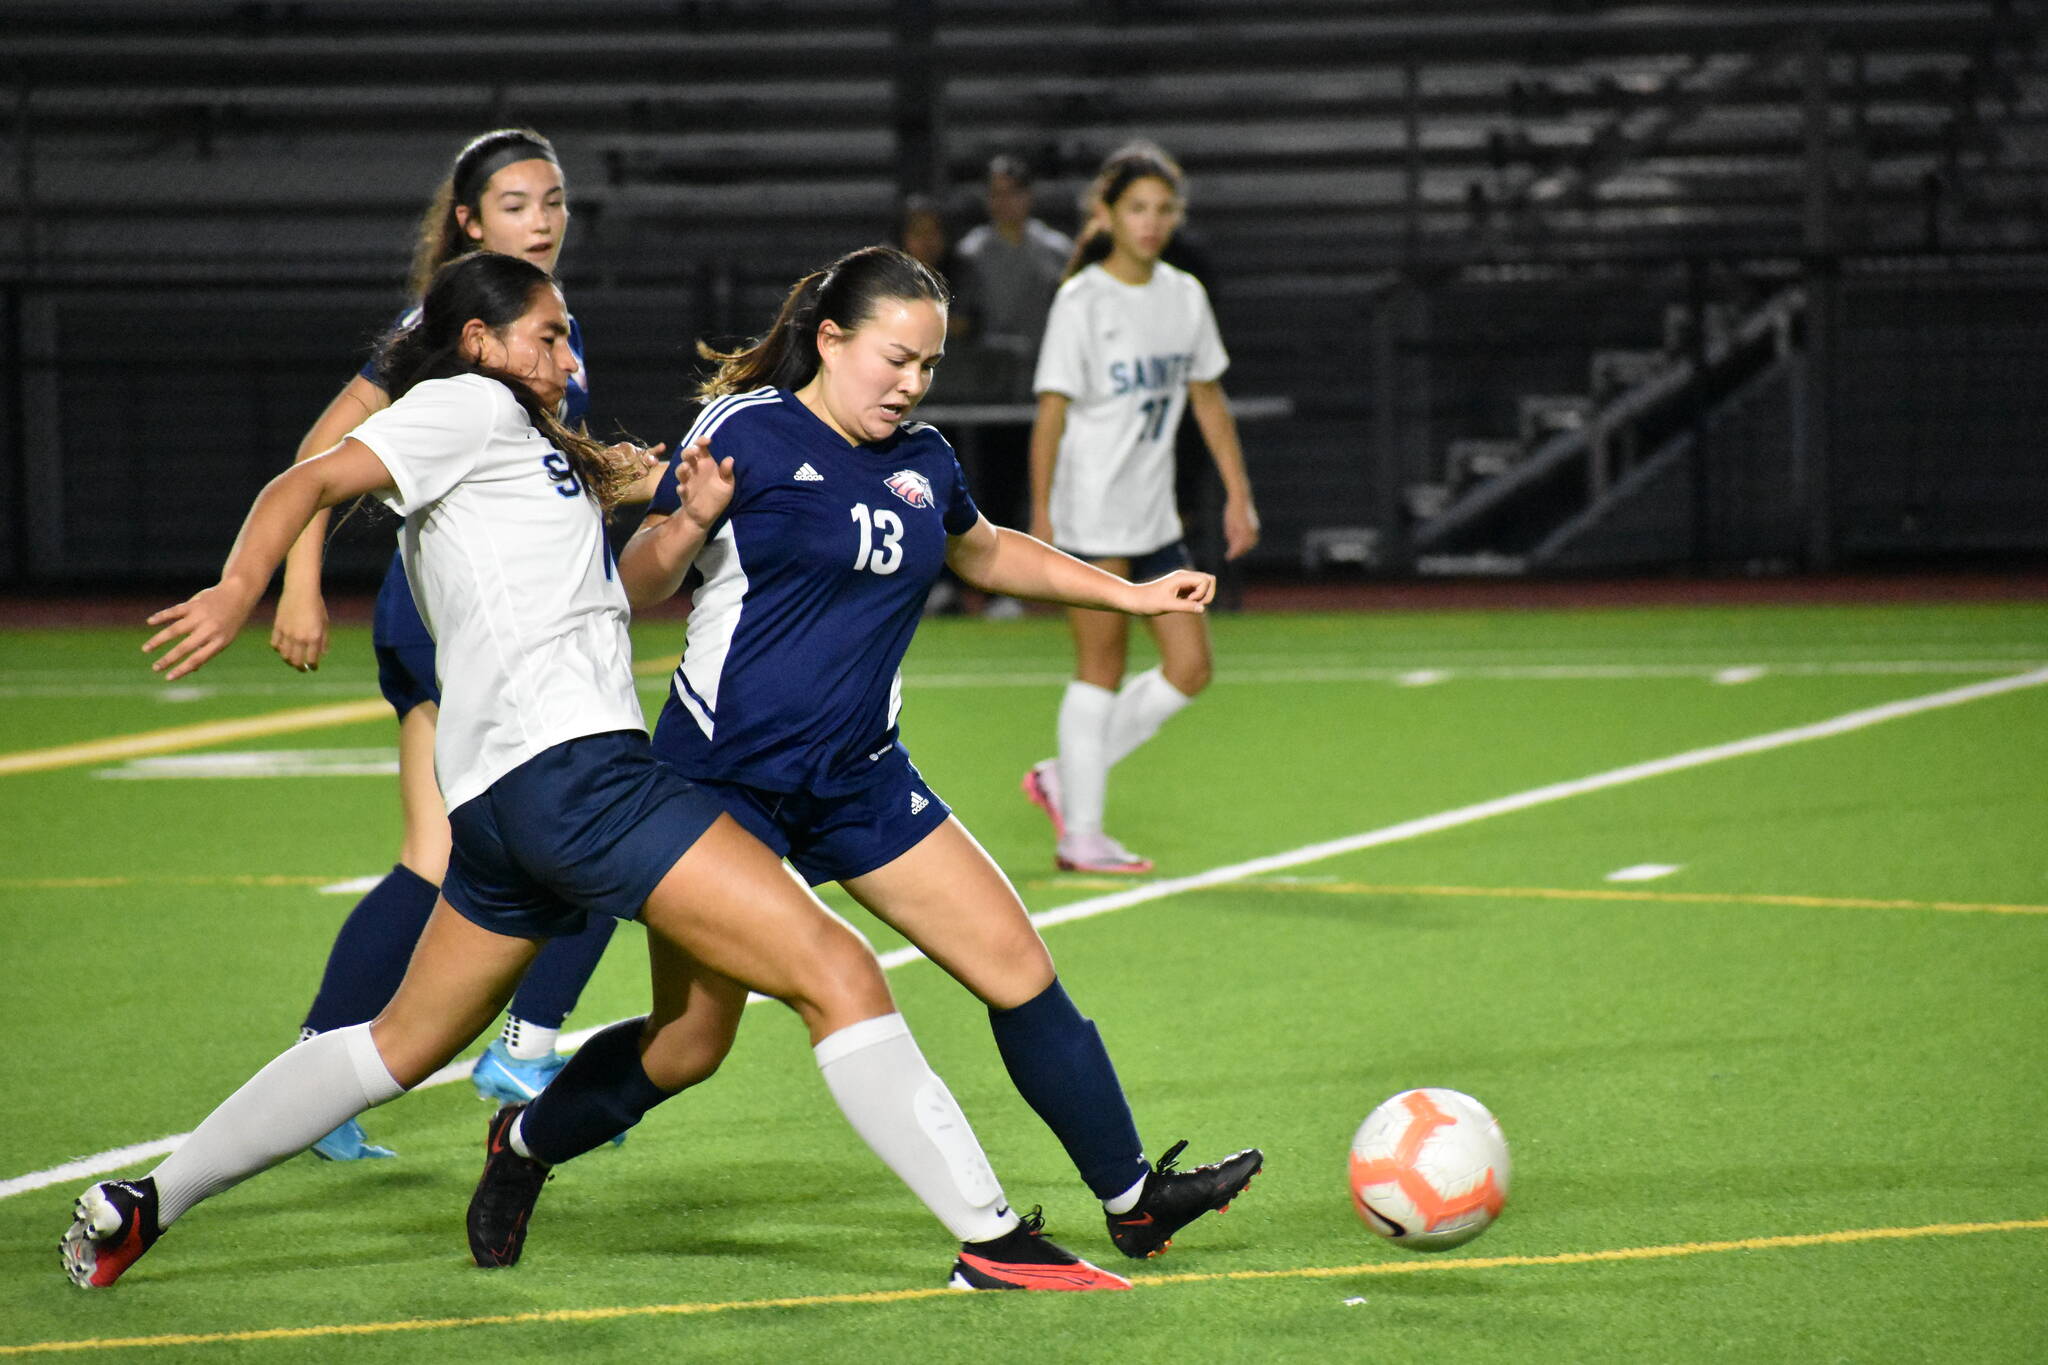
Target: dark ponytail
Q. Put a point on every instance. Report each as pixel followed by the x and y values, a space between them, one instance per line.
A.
pixel 847 292
pixel 1125 166
pixel 497 291
pixel 440 238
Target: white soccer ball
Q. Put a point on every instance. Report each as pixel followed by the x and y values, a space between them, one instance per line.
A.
pixel 1429 1169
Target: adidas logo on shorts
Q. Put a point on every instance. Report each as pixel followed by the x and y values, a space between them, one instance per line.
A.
pixel 917 803
pixel 806 474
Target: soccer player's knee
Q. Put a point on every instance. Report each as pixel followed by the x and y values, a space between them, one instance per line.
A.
pixel 858 991
pixel 691 1065
pixel 1189 677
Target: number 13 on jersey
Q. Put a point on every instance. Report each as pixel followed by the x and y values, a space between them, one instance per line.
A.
pixel 881 539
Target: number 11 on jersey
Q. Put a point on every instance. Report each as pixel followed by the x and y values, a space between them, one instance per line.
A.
pixel 881 539
pixel 1153 422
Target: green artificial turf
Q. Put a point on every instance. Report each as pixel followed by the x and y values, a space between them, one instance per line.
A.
pixel 1827 1020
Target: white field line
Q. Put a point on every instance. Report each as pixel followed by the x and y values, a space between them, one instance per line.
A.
pixel 101 1163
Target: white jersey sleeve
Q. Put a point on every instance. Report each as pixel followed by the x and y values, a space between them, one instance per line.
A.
pixel 1063 359
pixel 429 440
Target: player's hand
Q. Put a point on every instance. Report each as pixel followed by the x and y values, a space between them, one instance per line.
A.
pixel 299 633
pixel 1240 526
pixel 198 628
pixel 704 484
pixel 647 461
pixel 1185 590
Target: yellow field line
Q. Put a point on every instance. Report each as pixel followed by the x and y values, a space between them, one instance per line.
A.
pixel 223 731
pixel 280 879
pixel 193 736
pixel 1400 1267
pixel 1552 893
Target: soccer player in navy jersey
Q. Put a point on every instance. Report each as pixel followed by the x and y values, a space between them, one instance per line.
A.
pixel 785 705
pixel 558 808
pixel 504 193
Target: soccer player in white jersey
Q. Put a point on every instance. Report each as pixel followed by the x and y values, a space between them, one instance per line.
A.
pixel 557 807
pixel 1131 343
pixel 785 708
pixel 504 192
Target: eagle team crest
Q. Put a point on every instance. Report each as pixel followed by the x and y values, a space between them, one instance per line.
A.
pixel 911 486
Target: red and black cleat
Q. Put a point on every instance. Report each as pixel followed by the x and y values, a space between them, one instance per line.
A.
pixel 1173 1199
pixel 113 1223
pixel 1025 1258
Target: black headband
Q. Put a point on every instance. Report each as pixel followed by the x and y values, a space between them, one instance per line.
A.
pixel 470 183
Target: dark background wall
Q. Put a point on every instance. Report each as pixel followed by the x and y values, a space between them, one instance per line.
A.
pixel 1548 285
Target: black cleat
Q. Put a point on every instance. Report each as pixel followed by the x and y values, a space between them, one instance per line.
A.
pixel 1173 1199
pixel 505 1195
pixel 1025 1258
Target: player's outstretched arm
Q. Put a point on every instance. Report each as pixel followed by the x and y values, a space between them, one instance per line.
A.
pixel 299 631
pixel 661 551
pixel 207 622
pixel 998 560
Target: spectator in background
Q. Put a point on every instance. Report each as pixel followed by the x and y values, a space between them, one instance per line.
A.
pixel 1010 268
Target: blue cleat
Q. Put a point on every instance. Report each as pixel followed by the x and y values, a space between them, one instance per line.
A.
pixel 349 1143
pixel 512 1080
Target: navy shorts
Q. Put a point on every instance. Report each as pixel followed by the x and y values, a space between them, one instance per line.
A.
pixel 592 824
pixel 1151 564
pixel 833 838
pixel 405 650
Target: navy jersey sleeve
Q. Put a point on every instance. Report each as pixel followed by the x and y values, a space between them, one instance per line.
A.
pixel 961 513
pixel 668 494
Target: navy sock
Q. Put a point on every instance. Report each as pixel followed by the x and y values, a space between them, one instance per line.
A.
pixel 559 973
pixel 601 1093
pixel 1058 1064
pixel 370 953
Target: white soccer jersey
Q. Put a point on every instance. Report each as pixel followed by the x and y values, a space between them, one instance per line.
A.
pixel 512 574
pixel 1124 355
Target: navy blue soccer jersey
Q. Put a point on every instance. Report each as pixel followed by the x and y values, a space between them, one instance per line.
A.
pixel 813 584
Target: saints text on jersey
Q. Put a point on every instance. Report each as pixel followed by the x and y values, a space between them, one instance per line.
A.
pixel 1149 372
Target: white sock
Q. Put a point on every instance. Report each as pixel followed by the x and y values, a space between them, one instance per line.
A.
pixel 1084 757
pixel 301 1096
pixel 526 1040
pixel 1143 704
pixel 1126 1201
pixel 904 1112
pixel 516 1139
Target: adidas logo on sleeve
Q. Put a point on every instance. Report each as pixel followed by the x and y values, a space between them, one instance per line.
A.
pixel 806 474
pixel 917 803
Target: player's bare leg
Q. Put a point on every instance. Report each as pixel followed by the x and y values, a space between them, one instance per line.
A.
pixel 948 897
